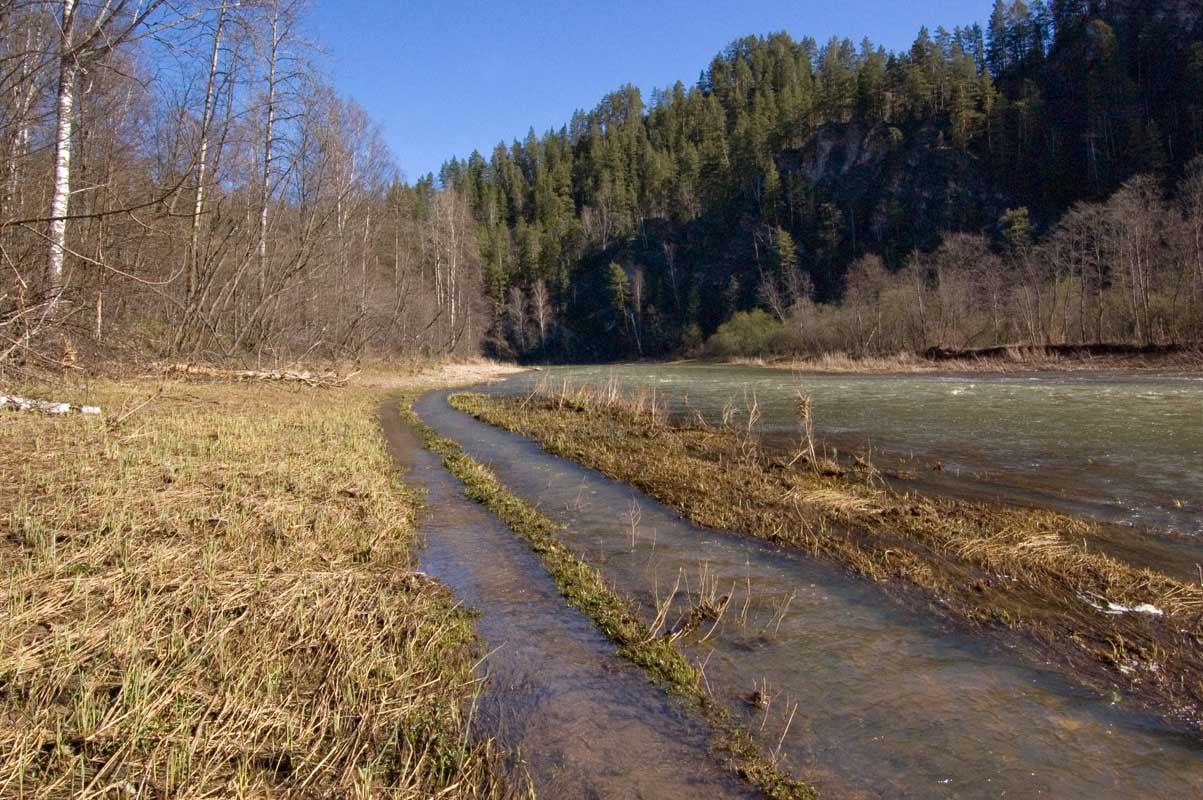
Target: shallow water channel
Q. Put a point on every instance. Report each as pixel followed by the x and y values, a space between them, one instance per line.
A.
pixel 584 722
pixel 865 697
pixel 1119 446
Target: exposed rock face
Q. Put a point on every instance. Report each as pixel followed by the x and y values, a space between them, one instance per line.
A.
pixel 836 150
pixel 898 190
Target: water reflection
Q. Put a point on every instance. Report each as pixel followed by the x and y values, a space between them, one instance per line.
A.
pixel 586 723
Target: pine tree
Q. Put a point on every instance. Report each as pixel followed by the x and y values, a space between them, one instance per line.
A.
pixel 618 288
pixel 1149 147
pixel 1068 15
pixel 732 297
pixel 1041 28
pixel 1016 227
pixel 1019 36
pixel 785 253
pixel 771 193
pixel 996 39
pixel 871 85
pixel 1194 83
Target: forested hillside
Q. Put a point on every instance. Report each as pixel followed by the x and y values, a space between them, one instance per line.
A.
pixel 1027 180
pixel 181 179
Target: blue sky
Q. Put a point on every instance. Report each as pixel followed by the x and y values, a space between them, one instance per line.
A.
pixel 442 78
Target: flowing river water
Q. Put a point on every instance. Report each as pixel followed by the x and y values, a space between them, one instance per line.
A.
pixel 1124 448
pixel 863 695
pixel 584 722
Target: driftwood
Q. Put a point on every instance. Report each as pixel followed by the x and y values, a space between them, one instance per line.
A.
pixel 9 402
pixel 317 380
pixel 1059 350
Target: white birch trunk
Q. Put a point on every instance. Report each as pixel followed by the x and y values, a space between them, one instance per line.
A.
pixel 268 136
pixel 202 166
pixel 61 198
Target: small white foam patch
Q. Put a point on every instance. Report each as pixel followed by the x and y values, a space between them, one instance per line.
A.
pixel 1108 607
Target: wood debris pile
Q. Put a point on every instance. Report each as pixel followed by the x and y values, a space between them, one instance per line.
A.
pixel 12 403
pixel 315 379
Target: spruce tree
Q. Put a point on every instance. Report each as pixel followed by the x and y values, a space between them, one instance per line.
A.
pixel 785 252
pixel 996 39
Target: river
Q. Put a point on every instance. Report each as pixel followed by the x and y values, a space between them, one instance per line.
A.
pixel 867 697
pixel 1123 447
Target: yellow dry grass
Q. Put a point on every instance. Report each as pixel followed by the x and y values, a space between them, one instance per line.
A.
pixel 1018 359
pixel 217 597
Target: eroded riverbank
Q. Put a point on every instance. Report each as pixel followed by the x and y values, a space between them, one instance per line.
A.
pixel 892 701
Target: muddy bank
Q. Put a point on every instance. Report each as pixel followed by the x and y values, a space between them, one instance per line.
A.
pixel 877 699
pixel 585 722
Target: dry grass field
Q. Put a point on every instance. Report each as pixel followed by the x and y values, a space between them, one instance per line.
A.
pixel 210 590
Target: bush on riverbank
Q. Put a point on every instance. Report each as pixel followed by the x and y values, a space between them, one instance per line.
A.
pixel 748 334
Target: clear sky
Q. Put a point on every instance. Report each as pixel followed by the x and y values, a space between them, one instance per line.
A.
pixel 444 77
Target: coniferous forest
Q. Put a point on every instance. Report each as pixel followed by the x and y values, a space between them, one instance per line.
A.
pixel 183 179
pixel 1033 179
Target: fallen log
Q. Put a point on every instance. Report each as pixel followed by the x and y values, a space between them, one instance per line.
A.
pixel 316 380
pixel 10 402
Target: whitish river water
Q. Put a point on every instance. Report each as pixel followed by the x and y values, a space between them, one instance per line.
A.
pixel 1120 447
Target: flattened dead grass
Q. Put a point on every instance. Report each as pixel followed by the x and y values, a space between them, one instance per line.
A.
pixel 217 598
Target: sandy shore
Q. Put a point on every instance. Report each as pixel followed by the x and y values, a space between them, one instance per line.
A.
pixel 457 373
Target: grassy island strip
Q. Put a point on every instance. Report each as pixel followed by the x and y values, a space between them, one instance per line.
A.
pixel 214 595
pixel 1114 627
pixel 585 589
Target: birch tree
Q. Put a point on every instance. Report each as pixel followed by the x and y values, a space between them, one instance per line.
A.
pixel 87 32
pixel 193 287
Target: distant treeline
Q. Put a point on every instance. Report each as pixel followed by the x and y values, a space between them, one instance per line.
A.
pixel 181 179
pixel 1027 182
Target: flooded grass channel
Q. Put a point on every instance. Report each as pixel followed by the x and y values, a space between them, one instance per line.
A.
pixel 882 699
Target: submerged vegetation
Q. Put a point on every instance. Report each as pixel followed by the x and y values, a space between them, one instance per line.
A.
pixel 585 588
pixel 1030 572
pixel 214 593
